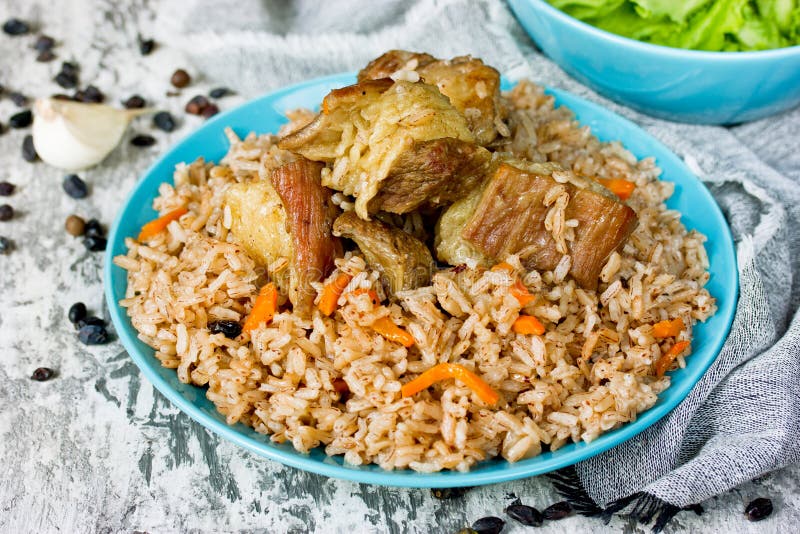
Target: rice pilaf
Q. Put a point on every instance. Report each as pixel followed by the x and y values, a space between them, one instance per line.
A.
pixel 335 382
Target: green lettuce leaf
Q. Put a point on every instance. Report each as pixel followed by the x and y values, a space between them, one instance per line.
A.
pixel 584 9
pixel 718 25
pixel 677 11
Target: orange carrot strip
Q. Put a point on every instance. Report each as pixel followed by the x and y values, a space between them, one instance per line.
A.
pixel 154 227
pixel 622 188
pixel 664 329
pixel 503 266
pixel 668 357
pixel 521 293
pixel 263 309
pixel 528 324
pixel 329 300
pixel 373 296
pixel 385 327
pixel 444 371
pixel 519 290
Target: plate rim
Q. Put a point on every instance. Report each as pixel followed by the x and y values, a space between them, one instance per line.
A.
pixel 404 478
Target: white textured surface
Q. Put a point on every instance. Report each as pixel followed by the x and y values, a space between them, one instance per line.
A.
pixel 97 449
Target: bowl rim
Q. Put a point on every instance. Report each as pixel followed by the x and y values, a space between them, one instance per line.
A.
pixel 684 53
pixel 148 365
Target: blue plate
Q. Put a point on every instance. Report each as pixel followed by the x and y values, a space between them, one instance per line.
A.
pixel 264 115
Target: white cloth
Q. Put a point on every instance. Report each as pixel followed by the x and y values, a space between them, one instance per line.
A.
pixel 743 417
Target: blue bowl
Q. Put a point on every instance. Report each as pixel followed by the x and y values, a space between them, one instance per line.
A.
pixel 265 115
pixel 671 83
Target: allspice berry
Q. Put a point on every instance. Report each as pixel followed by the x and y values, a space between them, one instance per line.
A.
pixel 74 225
pixel 180 78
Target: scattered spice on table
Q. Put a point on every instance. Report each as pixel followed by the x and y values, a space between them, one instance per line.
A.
pixel 46 56
pixel 94 243
pixel 6 212
pixel 28 150
pixel 75 187
pixel 94 236
pixel 94 228
pixel 449 493
pixel 92 320
pixel 758 509
pixel 180 78
pixel 209 111
pixel 67 77
pixel 23 119
pixel 6 189
pixel 522 513
pixel 75 225
pixel 5 245
pixel 134 102
pixel 90 95
pixel 220 92
pixel 42 374
pixel 146 46
pixel 92 335
pixel 77 312
pixel 143 140
pixel 163 120
pixel 488 525
pixel 44 43
pixel 196 105
pixel 18 99
pixel 15 26
pixel 557 511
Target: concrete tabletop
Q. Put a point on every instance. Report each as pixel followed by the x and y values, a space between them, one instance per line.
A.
pixel 96 448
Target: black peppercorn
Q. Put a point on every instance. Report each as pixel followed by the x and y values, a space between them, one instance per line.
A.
pixel 94 243
pixel 42 374
pixel 74 186
pixel 143 140
pixel 92 335
pixel 759 509
pixel 28 150
pixel 6 212
pixel 230 329
pixel 557 511
pixel 163 120
pixel 77 312
pixel 488 525
pixel 15 27
pixel 134 102
pixel 527 515
pixel 23 119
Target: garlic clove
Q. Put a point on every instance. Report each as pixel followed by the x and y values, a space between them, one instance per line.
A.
pixel 73 135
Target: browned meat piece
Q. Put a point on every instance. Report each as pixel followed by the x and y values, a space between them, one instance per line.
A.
pixel 431 174
pixel 403 260
pixel 309 218
pixel 319 141
pixel 399 136
pixel 509 217
pixel 393 61
pixel 472 86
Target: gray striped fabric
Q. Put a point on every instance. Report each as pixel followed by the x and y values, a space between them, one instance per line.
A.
pixel 743 418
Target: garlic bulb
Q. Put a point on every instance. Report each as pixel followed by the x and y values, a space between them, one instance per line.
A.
pixel 73 135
